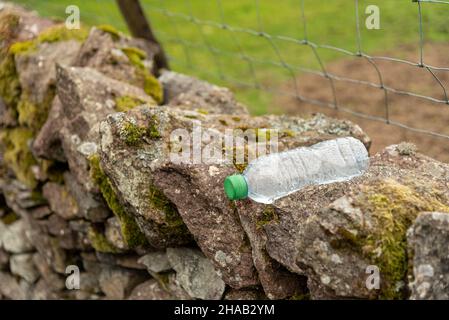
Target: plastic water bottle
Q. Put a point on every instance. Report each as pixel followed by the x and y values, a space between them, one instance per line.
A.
pixel 277 175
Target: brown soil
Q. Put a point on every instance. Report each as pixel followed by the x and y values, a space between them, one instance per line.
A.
pixel 411 111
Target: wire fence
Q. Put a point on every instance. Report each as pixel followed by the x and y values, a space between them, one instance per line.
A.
pixel 171 18
pixel 179 19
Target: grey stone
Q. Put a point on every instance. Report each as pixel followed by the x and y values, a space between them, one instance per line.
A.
pixel 47 143
pixel 127 168
pixel 150 290
pixel 169 283
pixel 48 247
pixel 245 294
pixel 11 288
pixel 332 233
pixel 36 69
pixel 89 282
pixel 61 201
pixel 117 283
pixel 7 118
pixel 198 200
pixel 104 52
pixel 4 257
pixel 195 273
pixel 40 212
pixel 41 291
pixel 127 260
pixel 83 93
pixel 91 206
pixel 23 266
pixel 187 92
pixel 428 240
pixel 19 197
pixel 113 233
pixel 14 237
pixel 29 23
pixel 156 261
pixel 277 282
pixel 61 229
pixel 2 231
pixel 48 275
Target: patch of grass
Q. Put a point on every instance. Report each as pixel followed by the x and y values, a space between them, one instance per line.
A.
pixel 328 22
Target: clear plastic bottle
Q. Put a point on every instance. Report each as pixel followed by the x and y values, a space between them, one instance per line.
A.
pixel 276 175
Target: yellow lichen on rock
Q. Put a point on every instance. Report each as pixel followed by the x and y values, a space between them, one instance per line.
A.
pixel 17 155
pixel 150 84
pixel 9 82
pixel 126 103
pixel 99 242
pixel 393 207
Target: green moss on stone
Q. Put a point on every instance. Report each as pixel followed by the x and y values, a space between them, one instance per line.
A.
pixel 126 103
pixel 54 170
pixel 268 215
pixel 9 218
pixel 202 111
pixel 62 33
pixel 130 231
pixel 153 87
pixel 174 225
pixel 54 34
pixel 298 296
pixel 9 82
pixel 150 84
pixel 99 241
pixel 17 155
pixel 23 47
pixel 393 207
pixel 159 201
pixel 153 131
pixel 111 30
pixel 34 115
pixel 135 55
pixel 288 133
pixel 133 134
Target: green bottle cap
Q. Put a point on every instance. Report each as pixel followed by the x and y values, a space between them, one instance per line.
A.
pixel 236 187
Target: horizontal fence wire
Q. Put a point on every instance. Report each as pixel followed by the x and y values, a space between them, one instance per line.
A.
pixel 177 19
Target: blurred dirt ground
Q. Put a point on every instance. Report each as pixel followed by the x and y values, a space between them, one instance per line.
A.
pixel 411 111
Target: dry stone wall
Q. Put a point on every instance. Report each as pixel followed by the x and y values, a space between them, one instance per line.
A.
pixel 87 182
